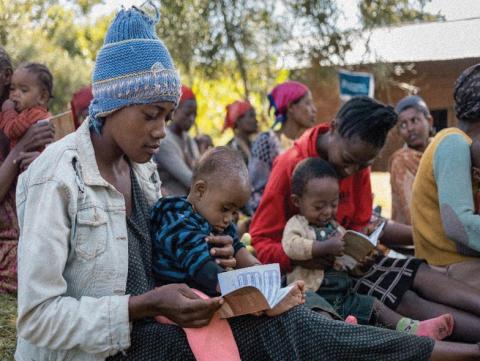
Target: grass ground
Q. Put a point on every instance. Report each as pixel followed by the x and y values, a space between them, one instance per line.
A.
pixel 8 305
pixel 382 197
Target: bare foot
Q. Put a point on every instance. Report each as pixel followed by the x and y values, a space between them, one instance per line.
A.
pixel 437 328
pixel 295 297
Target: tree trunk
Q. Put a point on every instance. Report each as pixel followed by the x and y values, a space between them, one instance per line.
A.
pixel 238 56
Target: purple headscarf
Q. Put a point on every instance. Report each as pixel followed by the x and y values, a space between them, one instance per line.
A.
pixel 283 95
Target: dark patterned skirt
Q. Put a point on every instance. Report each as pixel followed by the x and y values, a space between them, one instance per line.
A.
pixel 299 334
pixel 388 279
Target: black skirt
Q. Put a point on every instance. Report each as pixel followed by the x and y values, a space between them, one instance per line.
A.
pixel 388 279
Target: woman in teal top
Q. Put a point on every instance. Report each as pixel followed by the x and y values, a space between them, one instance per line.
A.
pixel 446 228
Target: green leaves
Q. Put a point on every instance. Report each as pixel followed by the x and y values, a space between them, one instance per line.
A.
pixel 45 31
pixel 226 49
pixel 393 12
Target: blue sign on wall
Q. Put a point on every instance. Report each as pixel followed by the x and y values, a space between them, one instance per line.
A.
pixel 353 84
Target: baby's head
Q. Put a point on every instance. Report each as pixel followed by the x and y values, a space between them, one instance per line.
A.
pixel 315 191
pixel 475 155
pixel 32 85
pixel 220 186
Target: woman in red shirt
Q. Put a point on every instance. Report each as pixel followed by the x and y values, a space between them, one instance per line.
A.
pixel 351 143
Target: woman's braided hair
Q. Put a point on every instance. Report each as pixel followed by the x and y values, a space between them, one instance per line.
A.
pixel 367 119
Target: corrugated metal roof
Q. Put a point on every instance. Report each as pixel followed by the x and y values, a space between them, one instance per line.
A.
pixel 418 42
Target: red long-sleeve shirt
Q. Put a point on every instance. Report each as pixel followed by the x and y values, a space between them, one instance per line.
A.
pixel 15 125
pixel 276 208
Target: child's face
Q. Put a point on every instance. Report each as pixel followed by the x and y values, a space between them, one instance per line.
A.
pixel 219 202
pixel 319 201
pixel 26 91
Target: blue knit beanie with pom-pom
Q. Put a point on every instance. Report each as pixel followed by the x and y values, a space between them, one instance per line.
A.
pixel 133 67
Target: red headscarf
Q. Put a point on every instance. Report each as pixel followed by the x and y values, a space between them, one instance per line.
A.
pixel 80 101
pixel 234 111
pixel 283 95
pixel 187 94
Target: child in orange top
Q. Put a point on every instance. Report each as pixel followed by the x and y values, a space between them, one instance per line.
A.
pixel 30 90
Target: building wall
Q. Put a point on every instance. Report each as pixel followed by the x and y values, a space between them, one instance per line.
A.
pixel 435 82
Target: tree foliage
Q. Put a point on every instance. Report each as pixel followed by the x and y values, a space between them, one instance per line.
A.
pixel 317 23
pixel 394 12
pixel 225 49
pixel 210 36
pixel 49 32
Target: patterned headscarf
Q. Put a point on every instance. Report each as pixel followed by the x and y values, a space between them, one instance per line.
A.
pixel 234 111
pixel 467 95
pixel 283 95
pixel 133 67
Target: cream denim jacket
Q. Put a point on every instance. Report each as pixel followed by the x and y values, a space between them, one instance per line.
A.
pixel 73 255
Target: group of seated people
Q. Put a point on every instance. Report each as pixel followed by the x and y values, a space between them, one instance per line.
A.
pixel 109 268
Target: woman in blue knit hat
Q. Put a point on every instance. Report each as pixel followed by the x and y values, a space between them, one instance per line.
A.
pixel 86 290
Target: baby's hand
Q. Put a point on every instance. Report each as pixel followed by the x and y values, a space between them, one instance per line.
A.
pixel 8 105
pixel 295 297
pixel 335 244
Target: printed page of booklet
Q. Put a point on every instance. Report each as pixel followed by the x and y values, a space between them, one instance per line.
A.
pixel 251 289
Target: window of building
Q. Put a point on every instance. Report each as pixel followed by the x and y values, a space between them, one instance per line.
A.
pixel 440 119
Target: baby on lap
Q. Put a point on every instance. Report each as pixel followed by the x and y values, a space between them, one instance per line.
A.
pixel 181 227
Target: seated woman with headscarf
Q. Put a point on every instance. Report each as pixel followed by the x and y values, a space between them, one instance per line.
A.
pixel 294 113
pixel 241 117
pixel 179 152
pixel 79 104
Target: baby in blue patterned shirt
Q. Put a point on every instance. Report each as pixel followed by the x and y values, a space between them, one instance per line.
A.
pixel 180 225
